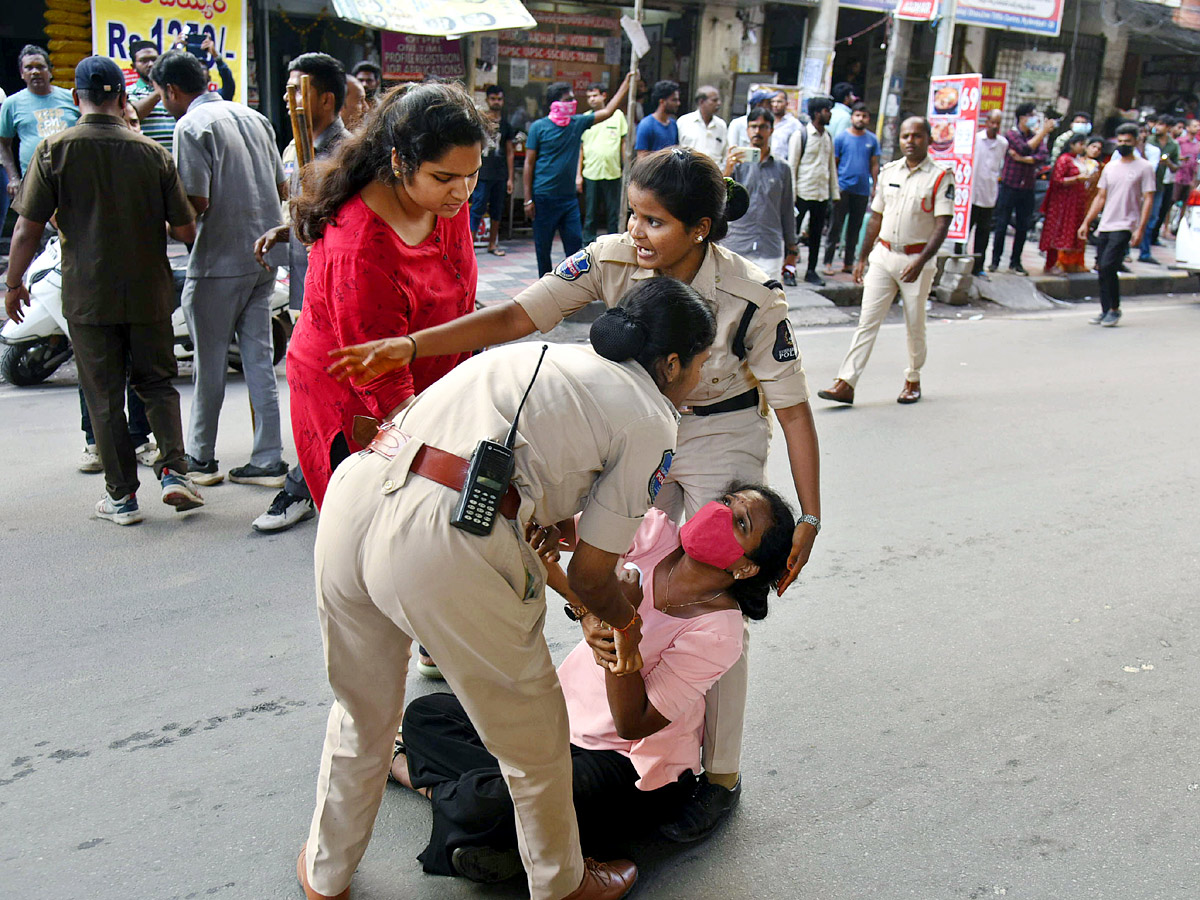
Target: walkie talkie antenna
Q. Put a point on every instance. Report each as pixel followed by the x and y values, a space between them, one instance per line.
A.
pixel 512 432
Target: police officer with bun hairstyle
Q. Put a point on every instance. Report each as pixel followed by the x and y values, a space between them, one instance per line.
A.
pixel 680 207
pixel 596 431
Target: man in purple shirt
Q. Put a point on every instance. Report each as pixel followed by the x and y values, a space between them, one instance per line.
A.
pixel 1125 194
pixel 1027 152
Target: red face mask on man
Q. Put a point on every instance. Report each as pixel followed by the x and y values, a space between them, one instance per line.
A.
pixel 708 536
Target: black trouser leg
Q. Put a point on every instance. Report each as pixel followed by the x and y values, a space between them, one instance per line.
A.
pixel 1004 209
pixel 1023 209
pixel 591 209
pixel 816 223
pixel 835 227
pixel 1111 247
pixel 100 358
pixel 982 215
pixel 854 219
pixel 152 365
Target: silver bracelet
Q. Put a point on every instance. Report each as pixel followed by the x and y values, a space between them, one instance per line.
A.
pixel 811 520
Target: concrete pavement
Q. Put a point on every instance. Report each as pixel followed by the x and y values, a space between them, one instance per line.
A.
pixel 983 685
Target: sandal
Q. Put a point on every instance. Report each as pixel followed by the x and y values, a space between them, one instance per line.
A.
pixel 397 750
pixel 496 251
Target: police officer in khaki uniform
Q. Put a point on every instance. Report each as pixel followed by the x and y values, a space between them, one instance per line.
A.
pixel 679 209
pixel 597 433
pixel 911 213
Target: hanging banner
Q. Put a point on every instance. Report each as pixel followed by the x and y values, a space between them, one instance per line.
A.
pixel 992 97
pixel 1031 16
pixel 436 17
pixel 953 120
pixel 916 10
pixel 413 57
pixel 117 22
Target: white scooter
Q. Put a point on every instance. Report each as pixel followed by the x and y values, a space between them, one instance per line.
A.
pixel 40 343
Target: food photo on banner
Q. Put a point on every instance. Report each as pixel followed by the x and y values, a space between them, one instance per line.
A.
pixel 954 102
pixel 115 23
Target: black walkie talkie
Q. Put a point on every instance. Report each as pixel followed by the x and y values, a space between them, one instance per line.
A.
pixel 489 475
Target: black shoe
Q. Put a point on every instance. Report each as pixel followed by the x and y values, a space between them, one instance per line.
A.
pixel 994 267
pixel 1017 269
pixel 814 279
pixel 204 473
pixel 268 476
pixel 789 278
pixel 486 865
pixel 702 813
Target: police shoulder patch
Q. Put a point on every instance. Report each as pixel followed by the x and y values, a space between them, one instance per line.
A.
pixel 660 474
pixel 574 266
pixel 785 343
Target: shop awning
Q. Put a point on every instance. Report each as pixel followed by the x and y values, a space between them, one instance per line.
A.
pixel 436 17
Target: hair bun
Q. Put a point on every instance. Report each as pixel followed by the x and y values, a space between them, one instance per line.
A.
pixel 618 336
pixel 737 200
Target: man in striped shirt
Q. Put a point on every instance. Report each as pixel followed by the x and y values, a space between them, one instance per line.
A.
pixel 157 123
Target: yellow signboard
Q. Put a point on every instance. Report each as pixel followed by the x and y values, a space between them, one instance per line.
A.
pixel 117 22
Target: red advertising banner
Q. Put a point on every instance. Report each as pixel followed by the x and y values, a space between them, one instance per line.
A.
pixel 916 10
pixel 992 97
pixel 953 120
pixel 412 57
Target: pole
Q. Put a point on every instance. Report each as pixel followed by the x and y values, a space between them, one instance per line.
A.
pixel 896 65
pixel 631 137
pixel 944 48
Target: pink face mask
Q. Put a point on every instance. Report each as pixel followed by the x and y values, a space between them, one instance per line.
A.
pixel 561 112
pixel 708 536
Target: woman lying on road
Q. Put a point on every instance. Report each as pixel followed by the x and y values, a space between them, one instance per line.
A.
pixel 635 739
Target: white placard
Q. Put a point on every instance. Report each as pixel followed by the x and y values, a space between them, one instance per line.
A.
pixel 637 37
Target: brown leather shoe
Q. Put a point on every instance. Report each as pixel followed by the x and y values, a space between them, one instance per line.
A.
pixel 911 392
pixel 302 877
pixel 841 392
pixel 605 881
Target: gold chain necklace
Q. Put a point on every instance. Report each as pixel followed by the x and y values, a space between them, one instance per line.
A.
pixel 667 604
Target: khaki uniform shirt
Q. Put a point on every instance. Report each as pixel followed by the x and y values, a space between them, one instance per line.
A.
pixel 906 199
pixel 595 435
pixel 113 189
pixel 608 268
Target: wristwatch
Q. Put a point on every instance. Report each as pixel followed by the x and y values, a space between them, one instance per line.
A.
pixel 811 520
pixel 574 613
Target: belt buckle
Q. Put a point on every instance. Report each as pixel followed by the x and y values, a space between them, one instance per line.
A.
pixel 388 441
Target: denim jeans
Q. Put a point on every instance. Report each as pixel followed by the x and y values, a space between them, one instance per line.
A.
pixel 1158 213
pixel 1012 202
pixel 551 214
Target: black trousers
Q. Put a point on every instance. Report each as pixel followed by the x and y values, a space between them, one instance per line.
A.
pixel 471 803
pixel 849 210
pixel 1111 247
pixel 102 353
pixel 815 210
pixel 982 217
pixel 1012 203
pixel 601 208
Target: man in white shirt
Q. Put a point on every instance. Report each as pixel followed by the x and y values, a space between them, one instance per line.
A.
pixel 786 125
pixel 815 176
pixel 737 134
pixel 990 149
pixel 703 130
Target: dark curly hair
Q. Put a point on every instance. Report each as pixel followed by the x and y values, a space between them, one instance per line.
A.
pixel 421 122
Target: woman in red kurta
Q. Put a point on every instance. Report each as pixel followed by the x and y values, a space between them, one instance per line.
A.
pixel 1065 205
pixel 391 254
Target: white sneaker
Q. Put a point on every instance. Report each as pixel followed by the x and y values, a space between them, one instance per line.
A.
pixel 147 454
pixel 285 511
pixel 122 512
pixel 89 460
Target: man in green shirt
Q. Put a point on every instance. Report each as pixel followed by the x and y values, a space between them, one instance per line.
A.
pixel 1168 162
pixel 599 175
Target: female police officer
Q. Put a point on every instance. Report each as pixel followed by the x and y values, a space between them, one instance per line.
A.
pixel 680 205
pixel 598 432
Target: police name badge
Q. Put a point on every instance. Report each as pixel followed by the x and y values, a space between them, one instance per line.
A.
pixel 785 343
pixel 574 266
pixel 660 474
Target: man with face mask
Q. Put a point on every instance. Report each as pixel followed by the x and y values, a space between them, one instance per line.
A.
pixel 1124 196
pixel 1027 153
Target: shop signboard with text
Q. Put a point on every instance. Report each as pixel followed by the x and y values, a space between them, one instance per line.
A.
pixel 993 96
pixel 1031 16
pixel 117 22
pixel 440 18
pixel 916 10
pixel 414 57
pixel 953 120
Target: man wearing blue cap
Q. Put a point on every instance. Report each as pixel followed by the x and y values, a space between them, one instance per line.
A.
pixel 737 136
pixel 117 287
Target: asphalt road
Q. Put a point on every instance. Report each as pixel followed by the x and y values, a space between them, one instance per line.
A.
pixel 984 684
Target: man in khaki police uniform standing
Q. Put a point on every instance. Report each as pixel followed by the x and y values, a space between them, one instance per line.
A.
pixel 911 213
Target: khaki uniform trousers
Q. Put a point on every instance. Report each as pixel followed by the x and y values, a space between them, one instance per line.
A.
pixel 390 569
pixel 713 451
pixel 880 285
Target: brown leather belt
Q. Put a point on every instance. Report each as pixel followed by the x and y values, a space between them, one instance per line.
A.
pixel 907 248
pixel 438 466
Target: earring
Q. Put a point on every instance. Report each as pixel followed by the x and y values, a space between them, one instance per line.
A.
pixel 699 238
pixel 395 171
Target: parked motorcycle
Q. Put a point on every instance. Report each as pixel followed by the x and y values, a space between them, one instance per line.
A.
pixel 40 343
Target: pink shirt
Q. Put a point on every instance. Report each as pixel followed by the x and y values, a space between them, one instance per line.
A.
pixel 1124 183
pixel 682 659
pixel 1189 152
